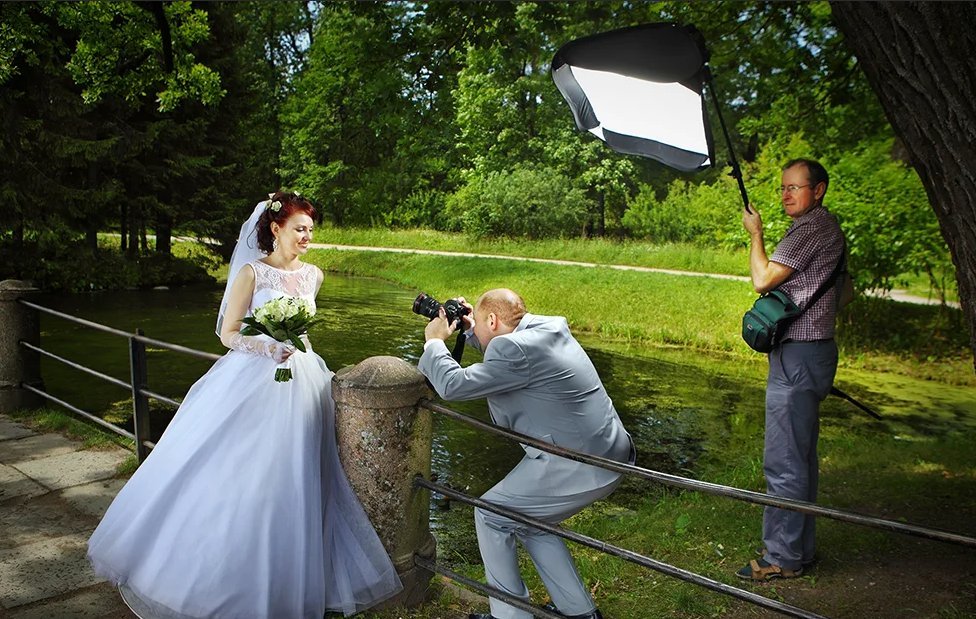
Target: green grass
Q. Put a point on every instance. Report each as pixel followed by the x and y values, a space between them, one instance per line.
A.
pixel 622 305
pixel 600 251
pixel 70 425
pixel 699 313
pixel 677 256
pixel 713 536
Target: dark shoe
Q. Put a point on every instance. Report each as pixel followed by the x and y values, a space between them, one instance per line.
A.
pixel 763 570
pixel 481 616
pixel 594 615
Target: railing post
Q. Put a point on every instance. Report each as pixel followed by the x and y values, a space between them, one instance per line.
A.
pixel 384 442
pixel 140 402
pixel 18 365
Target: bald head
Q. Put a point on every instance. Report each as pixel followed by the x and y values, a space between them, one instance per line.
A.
pixel 505 304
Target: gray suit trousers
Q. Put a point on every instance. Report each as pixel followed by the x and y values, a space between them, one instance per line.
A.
pixel 800 377
pixel 496 539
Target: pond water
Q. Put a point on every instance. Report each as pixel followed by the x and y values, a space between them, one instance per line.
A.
pixel 679 405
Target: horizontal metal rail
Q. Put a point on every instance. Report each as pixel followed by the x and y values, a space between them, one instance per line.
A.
pixel 193 352
pixel 161 398
pixel 537 611
pixel 106 329
pixel 75 319
pixel 86 415
pixel 622 553
pixel 137 392
pixel 78 366
pixel 707 487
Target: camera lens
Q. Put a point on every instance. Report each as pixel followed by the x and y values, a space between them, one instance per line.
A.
pixel 426 305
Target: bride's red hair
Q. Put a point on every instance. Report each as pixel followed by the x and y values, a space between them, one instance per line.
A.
pixel 291 203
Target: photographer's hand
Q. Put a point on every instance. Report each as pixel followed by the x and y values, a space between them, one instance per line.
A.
pixel 438 328
pixel 468 319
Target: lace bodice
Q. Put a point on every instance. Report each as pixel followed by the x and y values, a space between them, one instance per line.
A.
pixel 271 283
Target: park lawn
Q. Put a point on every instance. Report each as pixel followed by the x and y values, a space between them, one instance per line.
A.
pixel 677 256
pixel 656 309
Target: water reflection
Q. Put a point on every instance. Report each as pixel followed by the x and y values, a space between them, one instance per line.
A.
pixel 678 406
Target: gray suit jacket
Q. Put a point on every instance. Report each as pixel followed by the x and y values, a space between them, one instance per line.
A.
pixel 539 381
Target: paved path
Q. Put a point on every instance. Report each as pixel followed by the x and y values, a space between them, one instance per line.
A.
pixel 53 492
pixel 896 295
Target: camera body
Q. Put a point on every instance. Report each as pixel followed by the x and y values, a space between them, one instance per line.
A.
pixel 428 306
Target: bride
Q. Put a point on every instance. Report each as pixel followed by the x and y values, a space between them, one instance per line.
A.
pixel 242 510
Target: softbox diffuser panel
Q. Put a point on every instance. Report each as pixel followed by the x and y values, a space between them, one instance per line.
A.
pixel 640 90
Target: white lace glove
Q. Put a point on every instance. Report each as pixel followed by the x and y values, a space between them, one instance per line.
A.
pixel 255 345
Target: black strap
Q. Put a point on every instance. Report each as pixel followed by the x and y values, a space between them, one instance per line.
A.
pixel 829 282
pixel 456 353
pixel 458 344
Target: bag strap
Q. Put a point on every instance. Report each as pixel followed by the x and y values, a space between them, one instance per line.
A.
pixel 828 282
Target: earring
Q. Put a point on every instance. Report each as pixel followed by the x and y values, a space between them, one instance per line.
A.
pixel 274 245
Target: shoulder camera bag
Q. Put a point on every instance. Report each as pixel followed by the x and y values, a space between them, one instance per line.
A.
pixel 772 313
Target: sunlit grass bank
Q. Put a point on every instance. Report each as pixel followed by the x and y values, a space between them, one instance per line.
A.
pixel 601 251
pixel 699 313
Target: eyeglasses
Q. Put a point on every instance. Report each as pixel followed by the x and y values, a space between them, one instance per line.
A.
pixel 792 188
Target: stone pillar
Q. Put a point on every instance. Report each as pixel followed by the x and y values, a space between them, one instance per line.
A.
pixel 384 441
pixel 18 365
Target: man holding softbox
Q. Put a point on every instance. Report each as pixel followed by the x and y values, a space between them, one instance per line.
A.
pixel 806 267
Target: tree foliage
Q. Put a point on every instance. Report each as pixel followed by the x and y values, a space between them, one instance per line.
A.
pixel 177 117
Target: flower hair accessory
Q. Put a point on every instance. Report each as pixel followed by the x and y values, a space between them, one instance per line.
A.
pixel 274 205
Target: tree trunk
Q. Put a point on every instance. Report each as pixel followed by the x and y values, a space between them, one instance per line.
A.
pixel 915 56
pixel 18 232
pixel 132 251
pixel 164 234
pixel 144 240
pixel 91 239
pixel 124 228
pixel 601 222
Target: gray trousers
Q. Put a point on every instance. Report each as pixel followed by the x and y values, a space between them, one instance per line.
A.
pixel 496 540
pixel 800 377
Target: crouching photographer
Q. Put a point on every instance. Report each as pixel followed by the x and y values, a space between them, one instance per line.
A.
pixel 538 381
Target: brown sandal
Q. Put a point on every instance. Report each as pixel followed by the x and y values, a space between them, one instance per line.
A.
pixel 763 570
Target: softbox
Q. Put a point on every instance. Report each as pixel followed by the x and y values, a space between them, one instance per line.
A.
pixel 639 90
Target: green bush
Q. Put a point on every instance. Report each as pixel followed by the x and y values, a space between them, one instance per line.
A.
pixel 421 208
pixel 702 214
pixel 167 270
pixel 530 203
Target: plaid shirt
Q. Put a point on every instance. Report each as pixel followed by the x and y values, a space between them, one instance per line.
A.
pixel 812 246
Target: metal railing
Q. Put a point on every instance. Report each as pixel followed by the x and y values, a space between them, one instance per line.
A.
pixel 141 394
pixel 669 480
pixel 138 377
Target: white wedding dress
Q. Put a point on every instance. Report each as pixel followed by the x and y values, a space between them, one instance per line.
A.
pixel 243 510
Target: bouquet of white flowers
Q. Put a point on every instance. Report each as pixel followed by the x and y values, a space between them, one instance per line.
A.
pixel 285 319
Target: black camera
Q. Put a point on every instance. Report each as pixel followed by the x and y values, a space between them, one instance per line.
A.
pixel 428 306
